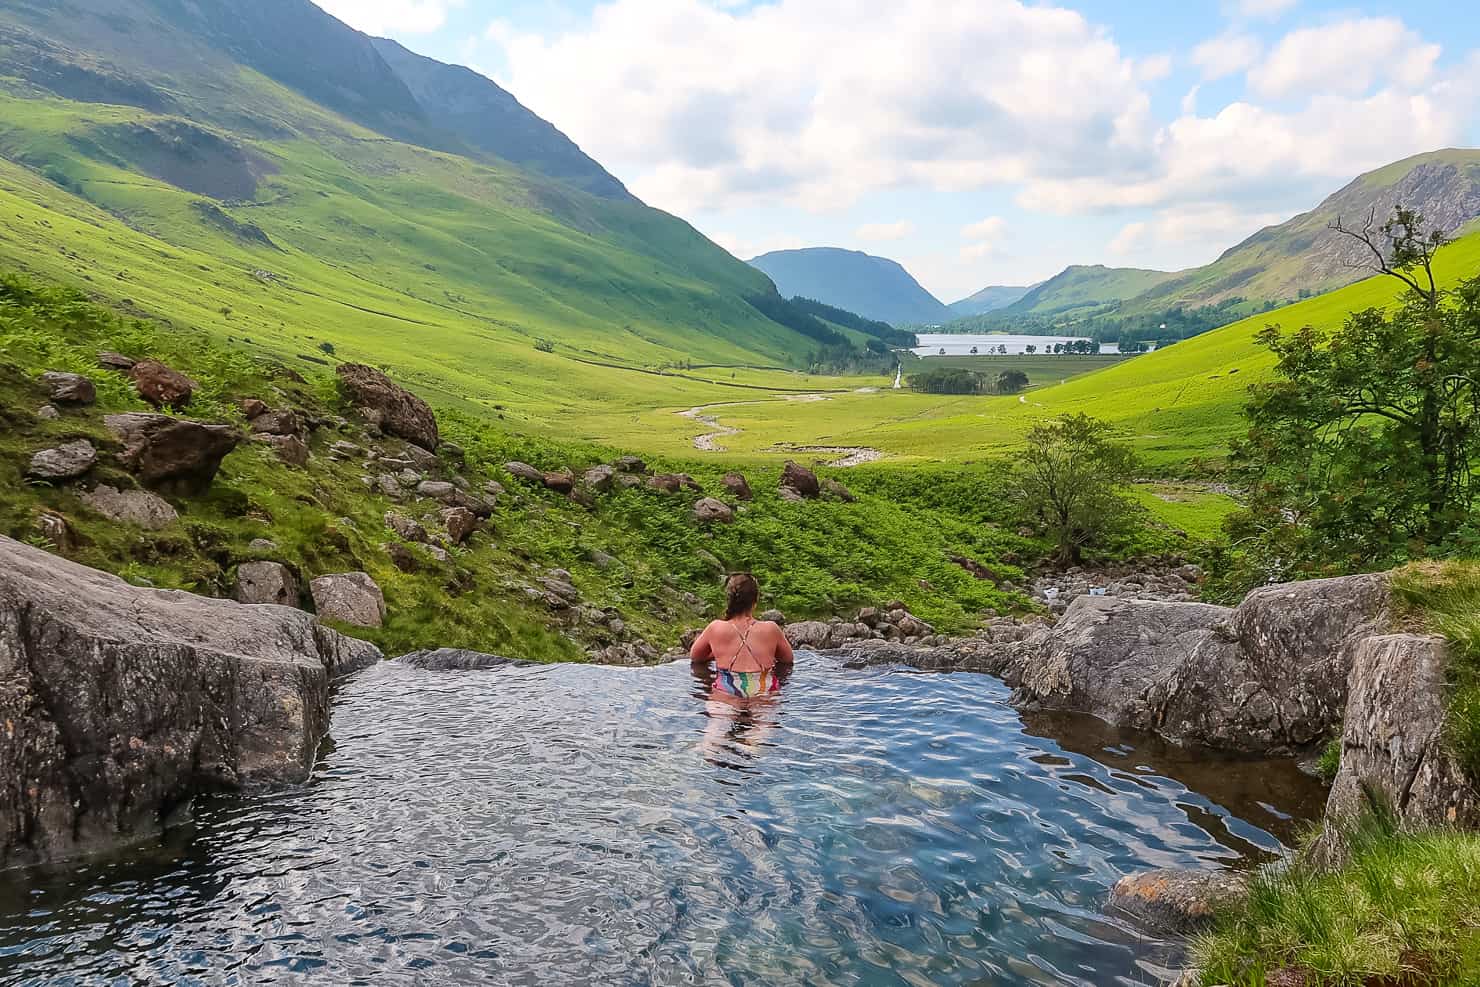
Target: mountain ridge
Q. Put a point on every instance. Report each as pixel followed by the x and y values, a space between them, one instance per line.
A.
pixel 873 287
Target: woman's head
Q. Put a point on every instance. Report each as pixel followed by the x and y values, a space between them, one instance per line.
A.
pixel 741 592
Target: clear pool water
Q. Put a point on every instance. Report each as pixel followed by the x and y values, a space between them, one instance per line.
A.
pixel 581 825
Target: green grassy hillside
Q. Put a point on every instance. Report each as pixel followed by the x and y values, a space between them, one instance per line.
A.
pixel 1078 290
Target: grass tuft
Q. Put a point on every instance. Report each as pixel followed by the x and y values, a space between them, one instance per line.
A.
pixel 1405 910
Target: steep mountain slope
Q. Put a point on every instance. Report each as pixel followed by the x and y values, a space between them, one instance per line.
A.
pixel 462 102
pixel 1080 289
pixel 144 162
pixel 873 287
pixel 1304 256
pixel 989 299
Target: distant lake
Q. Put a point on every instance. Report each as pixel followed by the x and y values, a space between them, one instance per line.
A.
pixel 960 345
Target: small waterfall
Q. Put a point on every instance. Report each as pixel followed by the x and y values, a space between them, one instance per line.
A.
pixel 899 377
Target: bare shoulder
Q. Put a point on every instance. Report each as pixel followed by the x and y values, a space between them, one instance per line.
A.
pixel 772 627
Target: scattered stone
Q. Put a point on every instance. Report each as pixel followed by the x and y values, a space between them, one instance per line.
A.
pixel 812 634
pixel 65 462
pixel 494 488
pixel 396 410
pixel 57 530
pixel 837 491
pixel 631 464
pixel 600 559
pixel 161 386
pixel 1178 901
pixel 350 598
pixel 402 557
pixel 253 408
pixel 710 511
pixel 422 460
pixel 738 486
pixel 262 545
pixel 560 593
pixel 670 483
pixel 524 471
pixel 974 567
pixel 281 422
pixel 142 698
pixel 438 552
pixel 109 360
pixel 47 413
pixel 774 616
pixel 800 479
pixel 627 481
pixel 69 388
pixel 389 486
pixel 790 496
pixel 345 450
pixel 147 510
pixel 408 529
pixel 266 583
pixel 711 561
pixel 460 523
pixel 559 481
pixel 173 453
pixel 599 478
pixel 436 489
pixel 289 448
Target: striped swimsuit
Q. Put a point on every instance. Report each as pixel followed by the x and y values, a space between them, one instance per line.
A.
pixel 747 685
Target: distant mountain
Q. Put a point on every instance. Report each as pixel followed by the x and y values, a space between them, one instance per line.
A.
pixel 989 299
pixel 1080 289
pixel 464 103
pixel 874 287
pixel 1304 256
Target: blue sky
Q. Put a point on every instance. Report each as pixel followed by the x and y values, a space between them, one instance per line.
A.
pixel 976 141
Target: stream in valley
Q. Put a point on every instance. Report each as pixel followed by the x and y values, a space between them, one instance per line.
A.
pixel 587 825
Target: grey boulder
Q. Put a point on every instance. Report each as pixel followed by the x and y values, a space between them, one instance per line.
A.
pixel 69 388
pixel 121 703
pixel 350 598
pixel 65 462
pixel 266 583
pixel 148 510
pixel 173 454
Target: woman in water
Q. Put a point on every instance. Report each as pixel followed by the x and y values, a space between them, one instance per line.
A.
pixel 749 655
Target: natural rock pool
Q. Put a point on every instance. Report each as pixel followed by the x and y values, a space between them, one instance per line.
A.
pixel 585 825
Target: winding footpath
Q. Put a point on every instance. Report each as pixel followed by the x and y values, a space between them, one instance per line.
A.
pixel 710 441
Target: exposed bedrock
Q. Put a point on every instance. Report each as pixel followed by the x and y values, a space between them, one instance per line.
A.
pixel 118 704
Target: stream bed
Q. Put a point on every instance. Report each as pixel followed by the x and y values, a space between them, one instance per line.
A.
pixel 583 825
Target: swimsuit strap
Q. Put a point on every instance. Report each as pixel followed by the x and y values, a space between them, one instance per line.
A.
pixel 745 643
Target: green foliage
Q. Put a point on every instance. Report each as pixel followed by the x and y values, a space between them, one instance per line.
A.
pixel 1011 382
pixel 948 380
pixel 1329 763
pixel 1073 477
pixel 1446 597
pixel 1359 450
pixel 1404 909
pixel 882 331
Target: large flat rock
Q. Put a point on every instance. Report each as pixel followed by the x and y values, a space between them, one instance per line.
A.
pixel 118 704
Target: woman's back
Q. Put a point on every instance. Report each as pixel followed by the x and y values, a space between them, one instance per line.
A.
pixel 746 644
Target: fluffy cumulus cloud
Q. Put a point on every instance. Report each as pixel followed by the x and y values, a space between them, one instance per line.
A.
pixel 1194 228
pixel 710 107
pixel 1226 55
pixel 384 17
pixel 1347 57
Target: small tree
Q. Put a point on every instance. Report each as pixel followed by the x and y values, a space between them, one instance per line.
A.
pixel 1072 478
pixel 1011 381
pixel 1360 449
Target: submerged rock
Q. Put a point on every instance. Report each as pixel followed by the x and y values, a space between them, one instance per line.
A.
pixel 1177 901
pixel 396 410
pixel 120 703
pixel 457 660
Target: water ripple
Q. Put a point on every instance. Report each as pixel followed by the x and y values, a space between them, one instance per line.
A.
pixel 576 825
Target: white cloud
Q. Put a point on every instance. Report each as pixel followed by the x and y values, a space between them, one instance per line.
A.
pixel 709 108
pixel 990 228
pixel 884 232
pixel 389 17
pixel 1193 229
pixel 1348 57
pixel 1262 9
pixel 1226 55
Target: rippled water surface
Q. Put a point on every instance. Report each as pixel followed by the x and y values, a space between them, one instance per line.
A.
pixel 576 825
